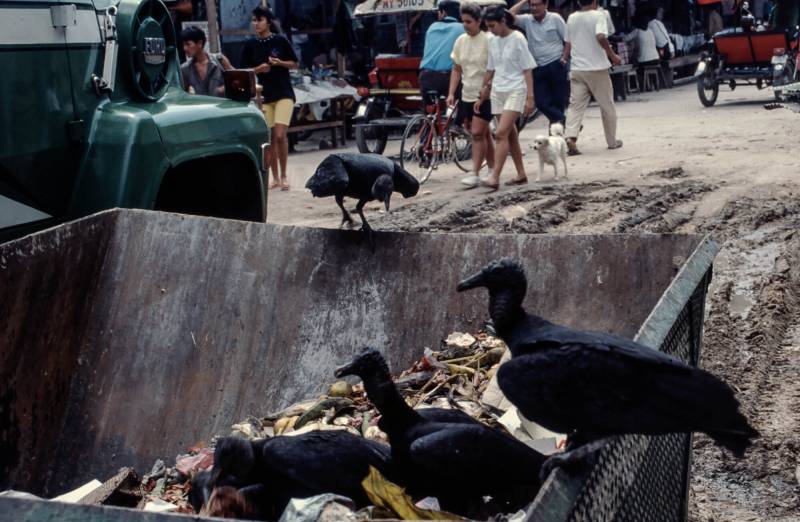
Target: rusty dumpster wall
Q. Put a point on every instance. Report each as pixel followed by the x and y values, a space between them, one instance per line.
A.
pixel 174 326
pixel 47 282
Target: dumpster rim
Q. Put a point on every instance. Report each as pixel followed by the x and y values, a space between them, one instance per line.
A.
pixel 560 490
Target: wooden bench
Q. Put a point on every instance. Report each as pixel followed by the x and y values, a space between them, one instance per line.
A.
pixel 618 75
pixel 676 62
pixel 618 72
pixel 332 125
pixel 337 122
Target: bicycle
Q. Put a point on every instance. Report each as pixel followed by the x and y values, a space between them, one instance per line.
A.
pixel 430 140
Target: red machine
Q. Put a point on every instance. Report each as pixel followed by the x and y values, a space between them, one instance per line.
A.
pixel 393 96
pixel 392 99
pixel 746 56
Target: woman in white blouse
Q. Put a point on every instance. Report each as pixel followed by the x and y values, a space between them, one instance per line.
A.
pixel 509 72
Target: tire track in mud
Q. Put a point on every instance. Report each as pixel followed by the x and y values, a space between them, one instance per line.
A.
pixel 751 340
pixel 607 206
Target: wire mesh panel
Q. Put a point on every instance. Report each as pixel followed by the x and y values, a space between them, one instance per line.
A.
pixel 645 478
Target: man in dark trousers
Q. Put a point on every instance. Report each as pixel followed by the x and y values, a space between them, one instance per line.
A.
pixel 546 32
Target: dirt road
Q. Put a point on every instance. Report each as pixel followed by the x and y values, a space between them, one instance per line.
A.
pixel 732 171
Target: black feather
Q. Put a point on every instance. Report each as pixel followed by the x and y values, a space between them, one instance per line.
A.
pixel 458 462
pixel 598 384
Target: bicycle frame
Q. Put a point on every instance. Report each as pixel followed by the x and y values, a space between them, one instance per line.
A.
pixel 440 127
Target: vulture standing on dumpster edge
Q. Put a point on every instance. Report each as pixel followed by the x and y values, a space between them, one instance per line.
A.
pixel 457 462
pixel 592 385
pixel 366 177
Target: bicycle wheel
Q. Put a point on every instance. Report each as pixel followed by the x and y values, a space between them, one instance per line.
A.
pixel 418 149
pixel 460 148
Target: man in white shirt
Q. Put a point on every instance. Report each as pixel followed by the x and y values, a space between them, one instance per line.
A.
pixel 662 36
pixel 592 56
pixel 546 32
pixel 666 48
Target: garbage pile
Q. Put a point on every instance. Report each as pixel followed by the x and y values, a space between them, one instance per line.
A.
pixel 457 376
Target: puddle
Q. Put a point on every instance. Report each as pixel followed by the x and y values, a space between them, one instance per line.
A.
pixel 740 305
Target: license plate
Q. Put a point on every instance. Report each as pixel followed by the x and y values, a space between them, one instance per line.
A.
pixel 779 60
pixel 701 68
pixel 361 111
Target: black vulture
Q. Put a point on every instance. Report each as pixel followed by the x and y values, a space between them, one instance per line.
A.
pixel 200 490
pixel 458 462
pixel 270 472
pixel 365 177
pixel 592 385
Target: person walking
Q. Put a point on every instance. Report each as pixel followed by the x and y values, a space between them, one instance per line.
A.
pixel 546 32
pixel 271 56
pixel 470 56
pixel 508 71
pixel 591 54
pixel 202 72
pixel 436 64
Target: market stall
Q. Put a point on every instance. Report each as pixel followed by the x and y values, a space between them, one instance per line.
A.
pixel 322 104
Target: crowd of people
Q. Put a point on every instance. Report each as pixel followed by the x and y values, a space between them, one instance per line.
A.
pixel 271 56
pixel 498 63
pixel 494 63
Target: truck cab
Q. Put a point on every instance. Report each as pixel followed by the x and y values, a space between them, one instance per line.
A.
pixel 94 116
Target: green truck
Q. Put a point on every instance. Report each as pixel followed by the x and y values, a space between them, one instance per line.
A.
pixel 94 116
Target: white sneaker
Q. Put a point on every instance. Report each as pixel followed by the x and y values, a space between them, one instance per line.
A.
pixel 489 174
pixel 471 181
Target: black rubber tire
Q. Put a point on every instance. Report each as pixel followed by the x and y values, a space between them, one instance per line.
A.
pixel 783 78
pixel 371 140
pixel 701 92
pixel 420 168
pixel 462 153
pixel 523 120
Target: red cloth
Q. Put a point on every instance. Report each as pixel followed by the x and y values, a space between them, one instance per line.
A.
pixel 187 463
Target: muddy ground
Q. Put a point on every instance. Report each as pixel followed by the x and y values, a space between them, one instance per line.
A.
pixel 731 171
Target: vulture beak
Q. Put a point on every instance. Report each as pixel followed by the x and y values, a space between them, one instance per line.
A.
pixel 473 281
pixel 343 370
pixel 386 202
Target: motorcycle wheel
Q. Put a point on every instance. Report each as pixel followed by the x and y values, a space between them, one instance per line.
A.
pixel 708 97
pixel 371 140
pixel 783 77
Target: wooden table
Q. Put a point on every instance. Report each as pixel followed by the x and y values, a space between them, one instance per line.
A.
pixel 618 80
pixel 335 123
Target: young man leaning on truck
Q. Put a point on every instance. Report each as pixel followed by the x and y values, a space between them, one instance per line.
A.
pixel 202 72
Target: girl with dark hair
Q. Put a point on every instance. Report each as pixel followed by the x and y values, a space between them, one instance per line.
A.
pixel 470 56
pixel 509 71
pixel 271 56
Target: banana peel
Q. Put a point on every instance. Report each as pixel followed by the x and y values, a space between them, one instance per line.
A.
pixel 387 495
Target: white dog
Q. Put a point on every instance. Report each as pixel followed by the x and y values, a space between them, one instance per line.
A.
pixel 550 149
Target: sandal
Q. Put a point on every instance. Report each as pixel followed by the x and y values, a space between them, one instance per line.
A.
pixel 284 186
pixel 572 146
pixel 486 184
pixel 516 181
pixel 616 145
pixel 274 185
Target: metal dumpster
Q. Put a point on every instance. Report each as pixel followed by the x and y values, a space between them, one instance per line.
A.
pixel 129 335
